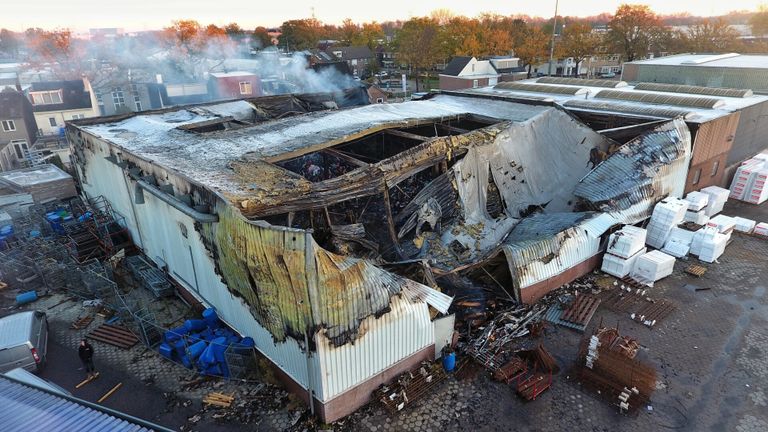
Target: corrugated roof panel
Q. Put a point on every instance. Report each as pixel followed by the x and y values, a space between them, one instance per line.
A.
pixel 623 107
pixel 660 99
pixel 642 172
pixel 540 88
pixel 544 245
pixel 582 82
pixel 680 88
pixel 26 408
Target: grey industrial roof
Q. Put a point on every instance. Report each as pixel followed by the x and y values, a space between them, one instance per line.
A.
pixel 205 157
pixel 26 408
pixel 731 60
pixel 698 114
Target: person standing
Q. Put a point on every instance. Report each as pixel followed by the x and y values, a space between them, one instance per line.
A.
pixel 85 351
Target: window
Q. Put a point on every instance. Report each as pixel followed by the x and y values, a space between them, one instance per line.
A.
pixel 379 100
pixel 245 87
pixel 52 121
pixel 474 84
pixel 715 167
pixel 696 176
pixel 46 97
pixel 9 125
pixel 78 116
pixel 138 104
pixel 20 146
pixel 118 98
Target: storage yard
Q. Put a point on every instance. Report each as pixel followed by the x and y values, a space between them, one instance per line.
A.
pixel 475 259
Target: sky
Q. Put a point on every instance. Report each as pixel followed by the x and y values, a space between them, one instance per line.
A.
pixel 134 15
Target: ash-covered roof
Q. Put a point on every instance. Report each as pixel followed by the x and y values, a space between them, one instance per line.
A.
pixel 206 157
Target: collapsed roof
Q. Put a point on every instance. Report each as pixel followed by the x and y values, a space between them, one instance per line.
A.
pixel 313 208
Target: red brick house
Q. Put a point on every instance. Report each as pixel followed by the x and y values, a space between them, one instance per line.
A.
pixel 233 85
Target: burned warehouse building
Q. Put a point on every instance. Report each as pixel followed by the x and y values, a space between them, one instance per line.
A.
pixel 337 235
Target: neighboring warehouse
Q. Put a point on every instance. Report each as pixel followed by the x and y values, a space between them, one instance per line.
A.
pixel 738 71
pixel 327 235
pixel 725 124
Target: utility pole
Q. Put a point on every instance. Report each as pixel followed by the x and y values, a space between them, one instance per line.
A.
pixel 552 44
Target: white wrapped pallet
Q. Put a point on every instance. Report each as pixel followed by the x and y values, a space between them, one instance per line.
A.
pixel 717 199
pixel 744 225
pixel 679 243
pixel 758 192
pixel 697 201
pixel 666 215
pixel 620 267
pixel 724 224
pixel 627 241
pixel 742 182
pixel 699 218
pixel 653 266
pixel 761 229
pixel 712 247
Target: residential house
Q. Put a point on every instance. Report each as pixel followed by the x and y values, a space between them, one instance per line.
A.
pixel 468 72
pixel 9 80
pixel 509 68
pixel 120 92
pixel 55 102
pixel 376 95
pixel 233 85
pixel 17 128
pixel 183 93
pixel 357 57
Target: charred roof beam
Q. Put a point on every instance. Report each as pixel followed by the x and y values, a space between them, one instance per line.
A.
pixel 406 135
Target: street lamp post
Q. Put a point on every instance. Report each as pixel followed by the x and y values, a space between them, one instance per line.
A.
pixel 552 43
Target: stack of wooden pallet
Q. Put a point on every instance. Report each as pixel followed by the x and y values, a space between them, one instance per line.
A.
pixel 219 399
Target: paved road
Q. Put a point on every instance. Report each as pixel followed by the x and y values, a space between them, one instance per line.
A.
pixel 134 398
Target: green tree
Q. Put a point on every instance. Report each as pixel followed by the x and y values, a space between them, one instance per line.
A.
pixel 301 34
pixel 759 21
pixel 577 42
pixel 9 42
pixel 532 47
pixel 633 31
pixel 712 35
pixel 261 38
pixel 369 35
pixel 418 45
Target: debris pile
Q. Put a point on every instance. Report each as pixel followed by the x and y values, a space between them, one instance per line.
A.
pixel 410 386
pixel 607 364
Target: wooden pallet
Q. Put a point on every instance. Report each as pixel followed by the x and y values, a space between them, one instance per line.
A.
pixel 82 323
pixel 114 335
pixel 696 270
pixel 219 399
pixel 3 285
pixel 581 309
pixel 534 385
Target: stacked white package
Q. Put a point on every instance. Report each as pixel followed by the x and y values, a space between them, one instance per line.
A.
pixel 620 267
pixel 758 192
pixel 653 266
pixel 743 180
pixel 666 215
pixel 698 238
pixel 679 242
pixel 627 241
pixel 724 224
pixel 697 200
pixel 717 199
pixel 743 224
pixel 699 218
pixel 761 229
pixel 712 246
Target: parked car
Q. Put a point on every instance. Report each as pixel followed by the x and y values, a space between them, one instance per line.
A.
pixel 31 379
pixel 608 75
pixel 382 74
pixel 23 341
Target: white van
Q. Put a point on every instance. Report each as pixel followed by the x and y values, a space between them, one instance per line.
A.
pixel 23 341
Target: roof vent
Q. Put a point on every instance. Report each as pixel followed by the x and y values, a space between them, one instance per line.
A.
pixel 582 82
pixel 660 99
pixel 674 88
pixel 540 88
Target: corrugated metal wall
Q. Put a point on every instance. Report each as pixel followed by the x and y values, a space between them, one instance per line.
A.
pixel 532 261
pixel 159 225
pixel 386 340
pixel 751 133
pixel 714 138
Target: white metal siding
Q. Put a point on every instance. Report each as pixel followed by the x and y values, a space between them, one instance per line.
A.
pixel 393 337
pixel 158 223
